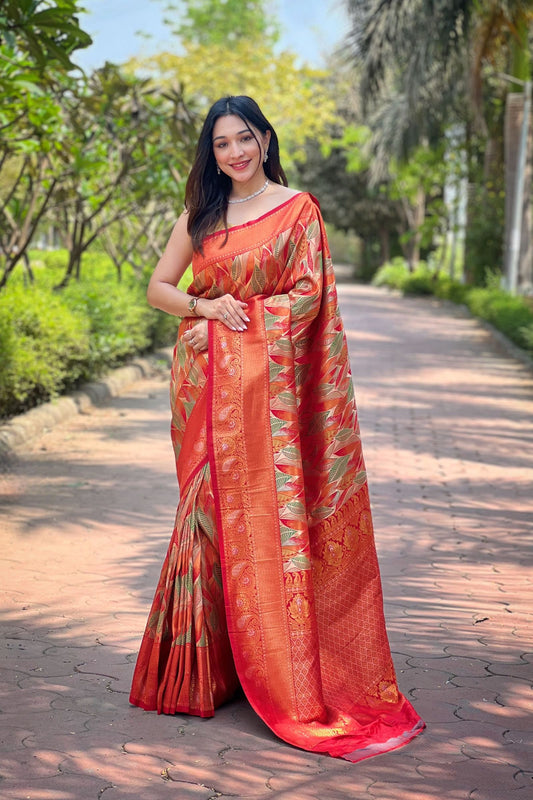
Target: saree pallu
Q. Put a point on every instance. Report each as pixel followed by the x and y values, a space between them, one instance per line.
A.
pixel 271 579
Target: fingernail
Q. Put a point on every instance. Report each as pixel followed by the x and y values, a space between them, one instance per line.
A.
pixel 247 319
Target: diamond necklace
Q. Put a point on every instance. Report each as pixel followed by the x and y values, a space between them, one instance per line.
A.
pixel 244 199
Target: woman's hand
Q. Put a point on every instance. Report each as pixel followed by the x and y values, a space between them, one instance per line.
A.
pixel 197 337
pixel 226 309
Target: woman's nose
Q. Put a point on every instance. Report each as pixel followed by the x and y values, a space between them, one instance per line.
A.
pixel 236 149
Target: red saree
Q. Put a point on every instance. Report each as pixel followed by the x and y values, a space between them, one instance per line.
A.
pixel 271 578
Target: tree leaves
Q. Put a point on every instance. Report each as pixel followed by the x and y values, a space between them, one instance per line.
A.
pixel 46 34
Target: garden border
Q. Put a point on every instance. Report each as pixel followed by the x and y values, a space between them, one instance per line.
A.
pixel 22 428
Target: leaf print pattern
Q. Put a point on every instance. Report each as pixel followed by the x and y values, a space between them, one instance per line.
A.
pixel 274 508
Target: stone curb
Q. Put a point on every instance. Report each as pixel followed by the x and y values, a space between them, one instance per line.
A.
pixel 33 423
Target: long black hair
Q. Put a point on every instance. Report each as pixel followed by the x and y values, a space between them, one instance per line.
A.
pixel 207 192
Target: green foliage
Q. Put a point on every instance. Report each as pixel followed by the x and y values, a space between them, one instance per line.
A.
pixel 511 315
pixel 397 275
pixel 50 341
pixel 485 235
pixel 222 22
pixel 120 320
pixel 527 336
pixel 44 347
pixel 345 247
pixel 421 281
pixel 448 289
pixel 207 72
pixel 392 274
pixel 46 33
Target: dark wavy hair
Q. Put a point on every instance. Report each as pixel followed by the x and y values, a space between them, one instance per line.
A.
pixel 207 192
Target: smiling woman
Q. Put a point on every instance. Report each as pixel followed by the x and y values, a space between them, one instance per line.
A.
pixel 271 579
pixel 249 176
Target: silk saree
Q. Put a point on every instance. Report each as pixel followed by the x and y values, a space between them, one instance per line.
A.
pixel 271 579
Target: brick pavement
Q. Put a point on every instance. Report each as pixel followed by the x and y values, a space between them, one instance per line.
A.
pixel 87 513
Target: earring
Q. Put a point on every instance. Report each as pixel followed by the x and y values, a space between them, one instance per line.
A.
pixel 265 158
pixel 218 169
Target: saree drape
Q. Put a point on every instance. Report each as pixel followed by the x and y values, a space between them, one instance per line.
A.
pixel 271 579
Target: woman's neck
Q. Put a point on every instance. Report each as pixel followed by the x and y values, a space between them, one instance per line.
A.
pixel 242 191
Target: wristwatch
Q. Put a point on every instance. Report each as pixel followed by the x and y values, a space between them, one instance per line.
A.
pixel 192 305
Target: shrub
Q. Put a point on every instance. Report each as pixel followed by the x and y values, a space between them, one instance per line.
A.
pixel 510 314
pixel 421 281
pixel 392 274
pixel 50 341
pixel 44 347
pixel 527 336
pixel 447 289
pixel 396 275
pixel 119 320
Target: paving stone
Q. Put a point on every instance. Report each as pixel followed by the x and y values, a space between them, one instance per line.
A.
pixel 242 782
pixel 88 514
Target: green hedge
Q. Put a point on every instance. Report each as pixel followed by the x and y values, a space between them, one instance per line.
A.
pixel 44 347
pixel 512 315
pixel 51 341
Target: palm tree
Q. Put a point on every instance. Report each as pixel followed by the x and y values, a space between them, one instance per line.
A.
pixel 429 63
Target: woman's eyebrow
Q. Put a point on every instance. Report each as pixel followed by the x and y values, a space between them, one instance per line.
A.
pixel 244 130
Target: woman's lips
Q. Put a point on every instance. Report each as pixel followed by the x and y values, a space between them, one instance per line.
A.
pixel 240 165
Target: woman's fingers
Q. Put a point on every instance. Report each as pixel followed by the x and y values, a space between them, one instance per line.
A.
pixel 233 313
pixel 196 337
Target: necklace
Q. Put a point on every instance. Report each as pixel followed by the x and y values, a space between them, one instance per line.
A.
pixel 244 199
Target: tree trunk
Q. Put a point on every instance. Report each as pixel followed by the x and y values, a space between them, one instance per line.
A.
pixel 417 216
pixel 384 245
pixel 513 133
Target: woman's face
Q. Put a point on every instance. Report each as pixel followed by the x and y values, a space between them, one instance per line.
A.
pixel 237 152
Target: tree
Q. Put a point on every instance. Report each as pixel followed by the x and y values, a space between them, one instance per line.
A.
pixel 346 198
pixel 34 34
pixel 125 133
pixel 234 53
pixel 415 56
pixel 31 131
pixel 223 22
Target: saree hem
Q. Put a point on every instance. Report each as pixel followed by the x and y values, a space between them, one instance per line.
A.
pixel 190 712
pixel 380 748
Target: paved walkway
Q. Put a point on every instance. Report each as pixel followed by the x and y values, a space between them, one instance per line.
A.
pixel 446 419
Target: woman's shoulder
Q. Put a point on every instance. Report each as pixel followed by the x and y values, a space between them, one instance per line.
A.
pixel 286 192
pixel 303 198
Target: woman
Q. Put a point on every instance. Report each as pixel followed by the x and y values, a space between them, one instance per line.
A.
pixel 271 579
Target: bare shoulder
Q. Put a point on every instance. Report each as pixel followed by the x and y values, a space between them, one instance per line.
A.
pixel 180 226
pixel 283 192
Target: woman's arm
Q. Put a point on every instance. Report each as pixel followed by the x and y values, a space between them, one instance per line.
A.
pixel 163 292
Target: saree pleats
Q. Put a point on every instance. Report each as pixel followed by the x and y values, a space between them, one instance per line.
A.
pixel 274 517
pixel 185 662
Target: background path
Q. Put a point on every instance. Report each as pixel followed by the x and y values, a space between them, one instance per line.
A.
pixel 87 513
